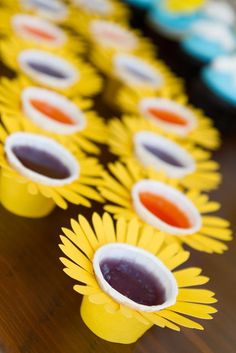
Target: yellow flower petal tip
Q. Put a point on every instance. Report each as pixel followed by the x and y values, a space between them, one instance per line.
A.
pixel 132 192
pixel 42 173
pixel 89 245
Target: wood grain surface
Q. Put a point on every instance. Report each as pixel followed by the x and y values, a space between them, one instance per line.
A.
pixel 40 313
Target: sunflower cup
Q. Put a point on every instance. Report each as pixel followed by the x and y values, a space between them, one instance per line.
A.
pixel 171 116
pixel 129 279
pixel 188 165
pixel 139 74
pixel 182 217
pixel 63 72
pixel 35 31
pixel 24 107
pixel 38 173
pixel 54 10
pixel 115 37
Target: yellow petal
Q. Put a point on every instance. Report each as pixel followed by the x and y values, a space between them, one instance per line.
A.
pixel 100 298
pixel 88 231
pixel 78 273
pixel 177 260
pixel 86 290
pixel 59 201
pixel 132 232
pixel 112 307
pixel 108 225
pixel 150 239
pixel 113 197
pixel 169 252
pixel 79 239
pixel 196 296
pixel 209 207
pixel 179 319
pixel 190 277
pixel 196 310
pixel 75 254
pixel 211 244
pixel 219 233
pixel 156 319
pixel 124 310
pixel 121 229
pixel 215 221
pixel 98 228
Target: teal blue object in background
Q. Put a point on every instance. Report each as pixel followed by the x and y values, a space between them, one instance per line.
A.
pixel 173 23
pixel 202 48
pixel 221 83
pixel 142 4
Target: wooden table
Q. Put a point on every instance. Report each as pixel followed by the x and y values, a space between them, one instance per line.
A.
pixel 40 313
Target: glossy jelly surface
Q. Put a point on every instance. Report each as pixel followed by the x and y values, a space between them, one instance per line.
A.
pixel 41 162
pixel 38 32
pixel 165 210
pixel 47 70
pixel 163 155
pixel 133 281
pixel 51 111
pixel 167 116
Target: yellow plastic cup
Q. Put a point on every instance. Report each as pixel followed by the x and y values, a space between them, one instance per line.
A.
pixel 111 327
pixel 16 199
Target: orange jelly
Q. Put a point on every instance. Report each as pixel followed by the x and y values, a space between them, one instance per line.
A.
pixel 52 112
pixel 115 36
pixel 38 32
pixel 164 209
pixel 167 116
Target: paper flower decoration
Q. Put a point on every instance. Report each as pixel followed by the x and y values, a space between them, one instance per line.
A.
pixel 172 116
pixel 104 256
pixel 38 32
pixel 34 109
pixel 94 9
pixel 115 37
pixel 38 173
pixel 139 74
pixel 140 140
pixel 181 216
pixel 63 72
pixel 55 10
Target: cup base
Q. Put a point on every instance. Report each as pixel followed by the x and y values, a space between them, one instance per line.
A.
pixel 115 327
pixel 16 199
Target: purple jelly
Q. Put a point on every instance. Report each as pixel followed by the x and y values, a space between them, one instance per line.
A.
pixel 41 162
pixel 47 70
pixel 163 155
pixel 133 281
pixel 138 73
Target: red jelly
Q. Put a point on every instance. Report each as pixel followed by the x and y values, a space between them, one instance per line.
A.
pixel 39 33
pixel 167 116
pixel 51 111
pixel 165 210
pixel 133 281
